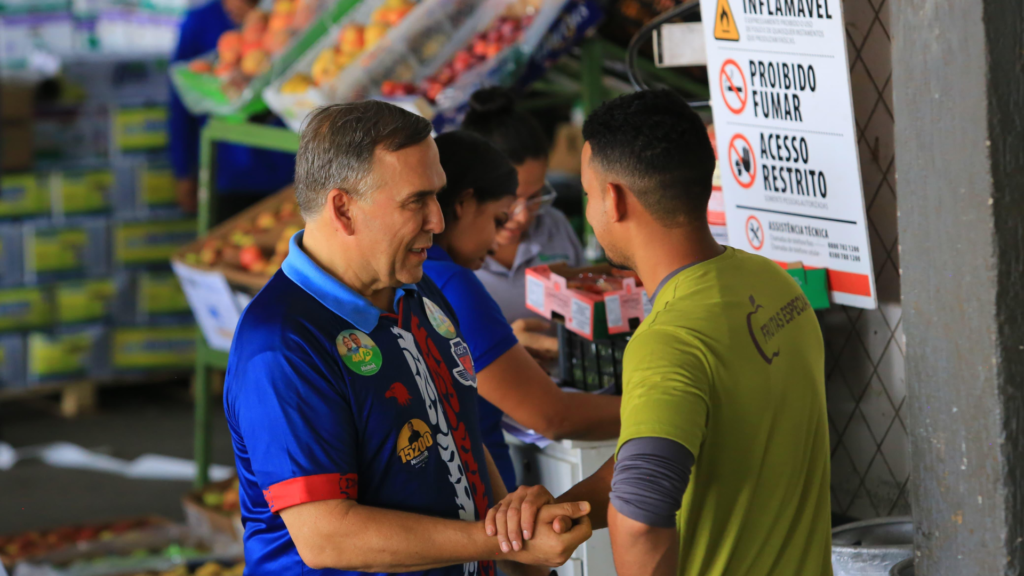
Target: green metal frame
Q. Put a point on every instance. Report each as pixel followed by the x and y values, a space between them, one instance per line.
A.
pixel 221 132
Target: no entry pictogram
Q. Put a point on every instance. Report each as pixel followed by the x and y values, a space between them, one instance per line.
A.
pixel 755 233
pixel 733 86
pixel 742 163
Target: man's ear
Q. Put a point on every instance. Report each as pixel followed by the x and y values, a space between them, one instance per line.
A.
pixel 615 205
pixel 462 202
pixel 339 210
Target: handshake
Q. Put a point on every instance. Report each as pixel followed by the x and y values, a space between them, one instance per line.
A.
pixel 533 529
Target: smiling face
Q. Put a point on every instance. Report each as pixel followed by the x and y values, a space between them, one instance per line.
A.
pixel 394 225
pixel 532 174
pixel 348 343
pixel 356 340
pixel 474 230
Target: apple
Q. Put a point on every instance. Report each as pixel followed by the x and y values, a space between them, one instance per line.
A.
pixel 462 61
pixel 433 91
pixel 373 34
pixel 275 40
pixel 445 75
pixel 265 220
pixel 479 47
pixel 380 15
pixel 493 50
pixel 210 251
pixel 251 259
pixel 229 46
pixel 254 26
pixel 397 14
pixel 287 210
pixel 279 22
pixel 325 68
pixel 350 39
pixel 255 63
pixel 224 70
pixel 297 84
pixel 200 66
pixel 284 7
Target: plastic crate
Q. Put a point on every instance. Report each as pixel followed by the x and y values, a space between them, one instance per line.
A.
pixel 86 300
pixel 143 349
pixel 78 248
pixel 81 352
pixel 23 195
pixel 12 361
pixel 591 365
pixel 151 298
pixel 25 308
pixel 12 253
pixel 148 243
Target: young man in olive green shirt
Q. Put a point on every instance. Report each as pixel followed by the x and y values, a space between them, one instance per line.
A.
pixel 722 465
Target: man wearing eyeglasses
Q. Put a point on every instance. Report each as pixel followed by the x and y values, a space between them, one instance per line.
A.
pixel 536 233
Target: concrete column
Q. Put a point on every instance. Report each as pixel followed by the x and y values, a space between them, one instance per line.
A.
pixel 958 81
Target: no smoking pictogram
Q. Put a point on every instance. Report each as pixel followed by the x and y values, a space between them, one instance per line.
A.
pixel 734 86
pixel 741 161
pixel 755 233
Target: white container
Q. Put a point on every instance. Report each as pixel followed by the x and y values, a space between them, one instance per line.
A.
pixel 872 547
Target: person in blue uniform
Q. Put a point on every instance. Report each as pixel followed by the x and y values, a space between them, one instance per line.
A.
pixel 476 202
pixel 244 175
pixel 331 475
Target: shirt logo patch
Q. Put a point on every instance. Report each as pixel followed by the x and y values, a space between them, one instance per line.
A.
pixel 466 373
pixel 438 320
pixel 399 393
pixel 765 327
pixel 413 441
pixel 359 352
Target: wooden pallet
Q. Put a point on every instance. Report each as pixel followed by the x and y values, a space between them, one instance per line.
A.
pixel 76 397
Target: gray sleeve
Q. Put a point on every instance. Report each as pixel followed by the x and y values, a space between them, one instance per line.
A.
pixel 651 475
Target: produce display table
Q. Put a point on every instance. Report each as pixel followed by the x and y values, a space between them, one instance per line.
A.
pixel 207 359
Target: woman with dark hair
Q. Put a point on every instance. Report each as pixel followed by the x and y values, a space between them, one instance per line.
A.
pixel 536 232
pixel 481 187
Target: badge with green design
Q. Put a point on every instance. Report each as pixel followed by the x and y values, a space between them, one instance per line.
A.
pixel 438 320
pixel 359 352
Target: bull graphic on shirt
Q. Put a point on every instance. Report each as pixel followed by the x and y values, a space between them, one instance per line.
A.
pixel 444 440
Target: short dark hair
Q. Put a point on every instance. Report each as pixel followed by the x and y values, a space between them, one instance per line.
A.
pixel 337 147
pixel 660 148
pixel 493 115
pixel 472 163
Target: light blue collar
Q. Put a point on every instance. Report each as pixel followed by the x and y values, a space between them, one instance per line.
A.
pixel 330 291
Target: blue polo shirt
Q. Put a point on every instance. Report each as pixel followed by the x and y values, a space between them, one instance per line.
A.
pixel 327 397
pixel 488 335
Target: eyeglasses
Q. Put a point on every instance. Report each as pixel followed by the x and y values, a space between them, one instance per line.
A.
pixel 536 202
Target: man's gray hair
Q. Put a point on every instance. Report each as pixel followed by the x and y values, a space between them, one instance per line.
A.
pixel 337 147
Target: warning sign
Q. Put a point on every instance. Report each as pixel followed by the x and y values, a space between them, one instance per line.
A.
pixel 742 162
pixel 733 86
pixel 755 234
pixel 725 24
pixel 784 116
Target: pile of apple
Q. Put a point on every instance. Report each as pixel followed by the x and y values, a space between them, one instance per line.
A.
pixel 353 39
pixel 222 499
pixel 245 54
pixel 502 33
pixel 29 544
pixel 258 246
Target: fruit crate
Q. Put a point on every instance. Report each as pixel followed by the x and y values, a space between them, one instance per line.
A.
pixel 250 246
pixel 203 91
pixel 591 365
pixel 360 52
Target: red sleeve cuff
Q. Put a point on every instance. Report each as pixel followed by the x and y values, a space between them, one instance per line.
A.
pixel 311 489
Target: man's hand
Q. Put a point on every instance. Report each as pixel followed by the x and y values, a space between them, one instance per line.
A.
pixel 515 518
pixel 550 548
pixel 532 333
pixel 185 190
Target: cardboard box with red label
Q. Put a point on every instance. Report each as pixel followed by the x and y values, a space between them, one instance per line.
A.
pixel 593 301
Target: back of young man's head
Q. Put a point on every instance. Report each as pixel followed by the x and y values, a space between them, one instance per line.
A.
pixel 655 145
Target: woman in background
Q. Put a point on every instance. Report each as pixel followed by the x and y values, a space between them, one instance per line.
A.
pixel 476 201
pixel 536 232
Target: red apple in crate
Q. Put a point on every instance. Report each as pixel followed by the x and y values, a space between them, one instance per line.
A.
pixel 462 61
pixel 251 258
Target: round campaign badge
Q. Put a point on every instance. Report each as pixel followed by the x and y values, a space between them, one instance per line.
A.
pixel 438 320
pixel 359 352
pixel 413 440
